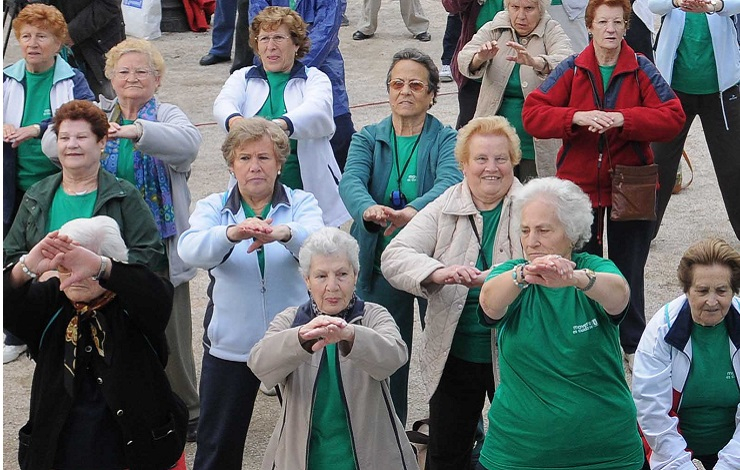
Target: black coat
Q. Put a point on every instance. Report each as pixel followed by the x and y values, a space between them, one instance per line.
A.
pixel 151 418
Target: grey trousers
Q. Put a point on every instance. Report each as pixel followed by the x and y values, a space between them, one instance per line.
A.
pixel 411 12
pixel 180 368
pixel 574 29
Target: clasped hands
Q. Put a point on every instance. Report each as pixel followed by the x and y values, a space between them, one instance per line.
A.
pixel 468 276
pixel 17 135
pixel 262 231
pixel 598 120
pixel 697 6
pixel 323 330
pixel 550 271
pixel 388 217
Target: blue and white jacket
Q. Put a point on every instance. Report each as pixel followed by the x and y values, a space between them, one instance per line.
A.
pixel 241 304
pixel 661 369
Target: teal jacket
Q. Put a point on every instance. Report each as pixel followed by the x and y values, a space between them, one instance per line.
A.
pixel 368 171
pixel 117 199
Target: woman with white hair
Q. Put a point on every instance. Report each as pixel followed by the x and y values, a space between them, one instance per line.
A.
pixel 332 357
pixel 95 327
pixel 563 401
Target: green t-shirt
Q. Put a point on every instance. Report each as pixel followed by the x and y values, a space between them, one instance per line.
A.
pixel 125 168
pixel 511 108
pixel 330 447
pixel 249 212
pixel 408 151
pixel 695 69
pixel 66 207
pixel 33 165
pixel 274 108
pixel 563 401
pixel 710 396
pixel 472 341
pixel 606 74
pixel 487 11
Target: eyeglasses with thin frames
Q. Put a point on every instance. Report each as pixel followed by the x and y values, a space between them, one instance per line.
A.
pixel 140 74
pixel 277 39
pixel 416 86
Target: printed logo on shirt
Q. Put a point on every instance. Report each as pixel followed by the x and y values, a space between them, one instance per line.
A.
pixel 47 113
pixel 411 179
pixel 585 327
pixel 730 375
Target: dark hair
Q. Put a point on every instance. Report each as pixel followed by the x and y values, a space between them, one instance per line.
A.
pixel 594 4
pixel 271 18
pixel 81 110
pixel 708 252
pixel 420 58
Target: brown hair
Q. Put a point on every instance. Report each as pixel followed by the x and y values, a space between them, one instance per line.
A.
pixel 271 18
pixel 250 130
pixel 594 4
pixel 44 17
pixel 708 252
pixel 490 125
pixel 81 110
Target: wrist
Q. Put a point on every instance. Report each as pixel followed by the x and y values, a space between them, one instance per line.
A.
pixel 38 129
pixel 517 274
pixel 102 269
pixel 139 130
pixel 590 280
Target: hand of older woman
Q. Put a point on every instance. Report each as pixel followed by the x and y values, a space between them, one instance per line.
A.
pixel 324 330
pixel 468 276
pixel 78 260
pixel 523 57
pixel 129 131
pixel 279 233
pixel 17 136
pixel 398 218
pixel 248 228
pixel 486 52
pixel 376 214
pixel 550 271
pixel 596 120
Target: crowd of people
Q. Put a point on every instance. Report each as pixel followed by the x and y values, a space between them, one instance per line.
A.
pixel 495 233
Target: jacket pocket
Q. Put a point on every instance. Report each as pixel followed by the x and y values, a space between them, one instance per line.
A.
pixel 24 445
pixel 168 440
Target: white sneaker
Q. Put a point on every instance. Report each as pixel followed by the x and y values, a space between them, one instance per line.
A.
pixel 270 393
pixel 445 73
pixel 11 352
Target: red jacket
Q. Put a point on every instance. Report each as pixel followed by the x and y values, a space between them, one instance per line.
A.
pixel 651 110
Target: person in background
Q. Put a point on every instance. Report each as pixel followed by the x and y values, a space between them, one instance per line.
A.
pixel 248 238
pixel 411 12
pixel 444 254
pixel 563 401
pixel 94 27
pixel 331 357
pixel 511 55
pixel 698 54
pixel 95 328
pixel 607 104
pixel 687 367
pixel 230 19
pixel 395 168
pixel 571 16
pixel 33 89
pixel 323 18
pixel 453 28
pixel 296 97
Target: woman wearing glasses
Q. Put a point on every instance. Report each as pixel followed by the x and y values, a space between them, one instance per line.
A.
pixel 295 97
pixel 394 169
pixel 152 145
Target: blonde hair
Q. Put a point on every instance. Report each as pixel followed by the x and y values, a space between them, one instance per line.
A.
pixel 490 125
pixel 134 45
pixel 253 129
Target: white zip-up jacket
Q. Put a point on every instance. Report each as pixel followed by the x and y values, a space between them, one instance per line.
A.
pixel 662 365
pixel 241 304
pixel 310 119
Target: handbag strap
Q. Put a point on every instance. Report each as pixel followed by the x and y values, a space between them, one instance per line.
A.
pixel 691 168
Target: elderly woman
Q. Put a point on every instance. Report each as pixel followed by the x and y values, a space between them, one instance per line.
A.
pixel 685 381
pixel 444 254
pixel 512 55
pixel 248 238
pixel 395 168
pixel 99 397
pixel 33 89
pixel 152 146
pixel 607 104
pixel 697 52
pixel 332 357
pixel 563 401
pixel 82 190
pixel 295 97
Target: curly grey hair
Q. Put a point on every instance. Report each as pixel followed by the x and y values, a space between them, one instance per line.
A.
pixel 100 234
pixel 329 241
pixel 572 206
pixel 543 5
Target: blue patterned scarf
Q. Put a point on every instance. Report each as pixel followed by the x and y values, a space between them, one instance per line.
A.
pixel 152 179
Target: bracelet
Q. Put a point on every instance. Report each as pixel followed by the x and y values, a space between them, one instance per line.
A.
pixel 518 272
pixel 101 271
pixel 139 130
pixel 25 269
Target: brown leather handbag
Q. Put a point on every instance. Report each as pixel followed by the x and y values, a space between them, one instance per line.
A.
pixel 633 192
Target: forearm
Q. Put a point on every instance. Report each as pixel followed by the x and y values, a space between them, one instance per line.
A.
pixel 498 293
pixel 609 290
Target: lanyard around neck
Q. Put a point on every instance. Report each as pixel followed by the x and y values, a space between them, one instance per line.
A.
pixel 480 243
pixel 408 160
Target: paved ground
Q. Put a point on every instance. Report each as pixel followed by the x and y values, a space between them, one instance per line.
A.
pixel 697 212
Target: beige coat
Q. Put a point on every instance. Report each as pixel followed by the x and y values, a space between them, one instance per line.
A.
pixel 441 235
pixel 378 436
pixel 548 40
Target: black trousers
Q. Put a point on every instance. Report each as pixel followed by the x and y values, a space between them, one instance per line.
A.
pixel 454 412
pixel 243 54
pixel 342 138
pixel 453 29
pixel 227 393
pixel 639 37
pixel 467 98
pixel 629 246
pixel 723 140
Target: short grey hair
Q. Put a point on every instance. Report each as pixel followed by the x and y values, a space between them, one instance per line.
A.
pixel 572 206
pixel 99 234
pixel 329 241
pixel 543 5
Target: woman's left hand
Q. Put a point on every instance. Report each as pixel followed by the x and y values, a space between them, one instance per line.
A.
pixel 326 329
pixel 16 136
pixel 597 120
pixel 550 271
pixel 523 56
pixel 398 218
pixel 117 131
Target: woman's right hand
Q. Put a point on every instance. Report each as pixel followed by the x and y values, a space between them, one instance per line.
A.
pixel 17 136
pixel 486 52
pixel 468 276
pixel 323 330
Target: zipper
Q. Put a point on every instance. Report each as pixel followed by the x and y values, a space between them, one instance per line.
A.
pixel 313 404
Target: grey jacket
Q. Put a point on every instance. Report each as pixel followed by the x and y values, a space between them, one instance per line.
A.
pixel 441 235
pixel 378 436
pixel 174 140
